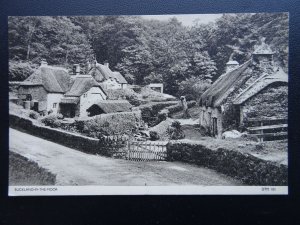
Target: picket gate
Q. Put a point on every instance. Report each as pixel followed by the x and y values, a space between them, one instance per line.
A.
pixel 123 147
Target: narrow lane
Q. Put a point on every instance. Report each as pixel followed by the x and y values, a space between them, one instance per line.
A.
pixel 73 167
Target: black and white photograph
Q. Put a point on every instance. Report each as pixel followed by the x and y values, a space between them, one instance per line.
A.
pixel 148 104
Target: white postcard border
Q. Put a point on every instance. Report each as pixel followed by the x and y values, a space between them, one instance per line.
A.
pixel 145 190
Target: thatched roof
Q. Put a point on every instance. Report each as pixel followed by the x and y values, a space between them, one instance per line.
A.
pixel 223 86
pixel 113 106
pixel 120 78
pixel 101 73
pixel 54 79
pixel 261 83
pixel 82 83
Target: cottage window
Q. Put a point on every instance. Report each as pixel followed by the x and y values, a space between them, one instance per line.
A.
pixel 84 95
pixel 54 105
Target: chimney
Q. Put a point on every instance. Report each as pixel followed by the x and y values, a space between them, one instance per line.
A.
pixel 106 64
pixel 87 67
pixel 76 69
pixel 44 62
pixel 231 65
pixel 263 55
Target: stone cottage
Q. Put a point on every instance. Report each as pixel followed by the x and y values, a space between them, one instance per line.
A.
pixel 257 89
pixel 106 77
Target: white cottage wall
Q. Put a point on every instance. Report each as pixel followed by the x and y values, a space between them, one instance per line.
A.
pixel 89 98
pixel 53 100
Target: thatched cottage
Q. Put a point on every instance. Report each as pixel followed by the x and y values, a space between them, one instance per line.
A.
pixel 255 90
pixel 53 89
pixel 84 92
pixel 108 78
pixel 43 89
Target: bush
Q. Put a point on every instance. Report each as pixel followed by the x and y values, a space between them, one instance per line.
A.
pixel 109 124
pixel 34 115
pixel 175 131
pixel 151 110
pixel 59 116
pixel 19 71
pixel 51 121
pixel 154 136
pixel 193 88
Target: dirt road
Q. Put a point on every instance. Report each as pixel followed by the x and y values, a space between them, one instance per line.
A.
pixel 73 167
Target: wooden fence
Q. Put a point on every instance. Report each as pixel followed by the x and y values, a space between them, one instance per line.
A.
pixel 147 150
pixel 121 146
pixel 267 129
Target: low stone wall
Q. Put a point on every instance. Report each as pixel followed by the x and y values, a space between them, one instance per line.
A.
pixel 245 167
pixel 79 142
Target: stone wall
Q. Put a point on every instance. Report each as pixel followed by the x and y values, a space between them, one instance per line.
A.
pixel 37 92
pixel 72 140
pixel 271 102
pixel 245 167
pixel 206 120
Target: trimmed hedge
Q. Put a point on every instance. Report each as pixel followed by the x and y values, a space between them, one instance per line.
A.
pixel 151 110
pixel 109 124
pixel 245 167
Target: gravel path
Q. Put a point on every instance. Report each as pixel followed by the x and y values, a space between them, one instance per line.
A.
pixel 73 167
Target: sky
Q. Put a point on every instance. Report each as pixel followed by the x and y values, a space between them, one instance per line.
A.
pixel 186 19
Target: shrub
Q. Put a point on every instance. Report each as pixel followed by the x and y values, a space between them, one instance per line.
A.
pixel 193 88
pixel 162 115
pixel 175 131
pixel 19 71
pixel 34 115
pixel 59 116
pixel 51 120
pixel 176 124
pixel 109 124
pixel 154 136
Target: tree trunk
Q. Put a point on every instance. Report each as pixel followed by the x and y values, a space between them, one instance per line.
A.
pixel 28 51
pixel 66 60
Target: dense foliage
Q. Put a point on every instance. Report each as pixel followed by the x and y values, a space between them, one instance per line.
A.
pixel 146 50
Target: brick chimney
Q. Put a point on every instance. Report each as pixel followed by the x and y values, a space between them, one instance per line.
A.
pixel 263 55
pixel 76 69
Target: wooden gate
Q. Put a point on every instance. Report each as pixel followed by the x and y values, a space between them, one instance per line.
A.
pixel 147 150
pixel 123 147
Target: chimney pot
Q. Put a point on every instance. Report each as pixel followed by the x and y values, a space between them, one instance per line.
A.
pixel 106 64
pixel 76 69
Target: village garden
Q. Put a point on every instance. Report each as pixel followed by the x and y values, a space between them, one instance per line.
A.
pixel 189 62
